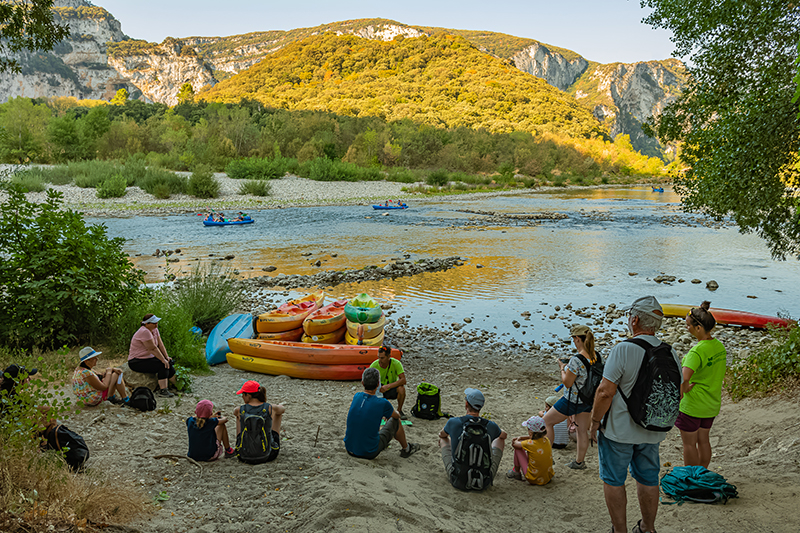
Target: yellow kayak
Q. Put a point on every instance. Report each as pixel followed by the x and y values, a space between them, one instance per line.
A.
pixel 290 315
pixel 334 337
pixel 370 330
pixel 325 319
pixel 374 341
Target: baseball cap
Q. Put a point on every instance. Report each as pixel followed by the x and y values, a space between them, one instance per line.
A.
pixel 579 330
pixel 152 320
pixel 204 409
pixel 535 424
pixel 87 353
pixel 647 305
pixel 475 398
pixel 551 400
pixel 249 387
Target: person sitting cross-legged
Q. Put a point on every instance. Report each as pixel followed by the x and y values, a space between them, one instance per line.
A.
pixel 393 378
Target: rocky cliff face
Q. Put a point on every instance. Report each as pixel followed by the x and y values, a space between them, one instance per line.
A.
pixel 551 66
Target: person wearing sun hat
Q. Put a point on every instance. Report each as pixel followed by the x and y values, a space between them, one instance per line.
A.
pixel 148 355
pixel 92 387
pixel 254 397
pixel 533 455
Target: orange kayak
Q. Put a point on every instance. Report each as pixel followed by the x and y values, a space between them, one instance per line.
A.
pixel 325 319
pixel 301 352
pixel 729 316
pixel 289 315
pixel 296 370
pixel 334 337
pixel 291 335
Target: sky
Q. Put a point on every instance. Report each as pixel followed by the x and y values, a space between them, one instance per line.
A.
pixel 606 31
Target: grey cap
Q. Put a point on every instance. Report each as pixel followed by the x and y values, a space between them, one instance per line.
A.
pixel 475 398
pixel 647 305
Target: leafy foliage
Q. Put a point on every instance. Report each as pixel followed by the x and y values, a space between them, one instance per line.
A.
pixel 62 281
pixel 323 169
pixel 259 168
pixel 210 293
pixel 739 127
pixel 202 183
pixel 27 26
pixel 256 188
pixel 768 368
pixel 113 187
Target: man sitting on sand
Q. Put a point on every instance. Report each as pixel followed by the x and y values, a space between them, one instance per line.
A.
pixel 462 474
pixel 393 378
pixel 364 436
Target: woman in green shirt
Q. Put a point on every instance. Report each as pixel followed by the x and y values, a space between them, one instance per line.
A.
pixel 703 371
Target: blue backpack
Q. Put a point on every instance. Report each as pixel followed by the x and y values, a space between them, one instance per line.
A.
pixel 696 484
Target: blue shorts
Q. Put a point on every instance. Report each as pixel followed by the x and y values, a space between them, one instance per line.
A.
pixel 615 458
pixel 567 408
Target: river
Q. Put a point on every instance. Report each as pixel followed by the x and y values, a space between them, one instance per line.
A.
pixel 608 234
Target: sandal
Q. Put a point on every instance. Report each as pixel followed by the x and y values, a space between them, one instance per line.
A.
pixel 513 474
pixel 638 528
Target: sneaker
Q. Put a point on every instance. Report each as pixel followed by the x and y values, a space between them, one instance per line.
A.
pixel 164 393
pixel 230 452
pixel 514 474
pixel 403 415
pixel 575 465
pixel 412 447
pixel 116 401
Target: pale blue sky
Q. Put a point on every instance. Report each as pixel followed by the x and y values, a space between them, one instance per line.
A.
pixel 600 30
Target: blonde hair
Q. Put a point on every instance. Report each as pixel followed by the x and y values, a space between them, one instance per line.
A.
pixel 200 422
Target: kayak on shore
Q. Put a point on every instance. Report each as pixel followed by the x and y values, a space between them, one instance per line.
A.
pixel 729 317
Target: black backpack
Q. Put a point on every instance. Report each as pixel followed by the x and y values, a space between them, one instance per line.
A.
pixel 76 453
pixel 254 442
pixel 594 375
pixel 142 399
pixel 655 400
pixel 429 403
pixel 472 461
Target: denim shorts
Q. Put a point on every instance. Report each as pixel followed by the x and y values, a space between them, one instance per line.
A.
pixel 567 408
pixel 616 457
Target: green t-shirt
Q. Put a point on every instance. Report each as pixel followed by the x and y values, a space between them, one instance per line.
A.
pixel 388 375
pixel 707 359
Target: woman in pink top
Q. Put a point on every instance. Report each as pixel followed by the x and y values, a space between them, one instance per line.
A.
pixel 148 355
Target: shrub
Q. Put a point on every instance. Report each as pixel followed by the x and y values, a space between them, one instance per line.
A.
pixel 162 191
pixel 90 174
pixel 258 168
pixel 323 169
pixel 202 183
pixel 210 293
pixel 135 169
pixel 162 183
pixel 114 187
pixel 438 178
pixel 404 175
pixel 29 182
pixel 768 368
pixel 256 188
pixel 62 280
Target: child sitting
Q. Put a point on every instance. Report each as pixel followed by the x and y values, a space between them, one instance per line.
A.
pixel 561 430
pixel 533 456
pixel 208 437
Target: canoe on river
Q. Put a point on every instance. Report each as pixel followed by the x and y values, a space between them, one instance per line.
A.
pixel 729 316
pixel 307 353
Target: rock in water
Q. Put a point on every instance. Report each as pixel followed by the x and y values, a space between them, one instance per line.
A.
pixel 712 285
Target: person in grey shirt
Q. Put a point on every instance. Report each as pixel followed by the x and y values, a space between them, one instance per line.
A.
pixel 622 443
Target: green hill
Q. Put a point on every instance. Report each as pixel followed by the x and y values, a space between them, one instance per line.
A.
pixel 442 80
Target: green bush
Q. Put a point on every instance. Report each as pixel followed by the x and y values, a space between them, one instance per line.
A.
pixel 162 191
pixel 114 187
pixel 202 183
pixel 256 188
pixel 404 175
pixel 438 178
pixel 210 293
pixel 767 369
pixel 259 168
pixel 62 280
pixel 29 182
pixel 135 169
pixel 90 174
pixel 323 169
pixel 162 183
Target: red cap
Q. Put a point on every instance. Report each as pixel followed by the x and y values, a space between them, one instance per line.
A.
pixel 250 387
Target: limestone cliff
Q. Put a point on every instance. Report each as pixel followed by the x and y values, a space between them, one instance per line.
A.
pixel 560 72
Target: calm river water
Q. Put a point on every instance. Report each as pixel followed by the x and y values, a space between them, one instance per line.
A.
pixel 608 234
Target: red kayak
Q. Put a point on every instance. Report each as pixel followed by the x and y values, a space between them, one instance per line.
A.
pixel 729 316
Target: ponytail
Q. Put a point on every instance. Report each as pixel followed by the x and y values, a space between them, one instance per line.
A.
pixel 588 341
pixel 200 422
pixel 261 394
pixel 701 316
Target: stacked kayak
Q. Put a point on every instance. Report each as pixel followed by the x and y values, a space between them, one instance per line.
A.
pixel 364 321
pixel 303 360
pixel 326 325
pixel 235 326
pixel 729 316
pixel 286 322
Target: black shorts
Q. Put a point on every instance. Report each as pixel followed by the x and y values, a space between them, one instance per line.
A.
pixel 152 365
pixel 390 394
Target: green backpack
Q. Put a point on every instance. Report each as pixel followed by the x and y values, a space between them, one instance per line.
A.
pixel 429 403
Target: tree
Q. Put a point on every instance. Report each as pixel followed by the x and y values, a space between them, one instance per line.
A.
pixel 63 281
pixel 736 119
pixel 27 25
pixel 121 97
pixel 186 94
pixel 23 127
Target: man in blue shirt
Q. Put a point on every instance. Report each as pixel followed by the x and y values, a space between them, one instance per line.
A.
pixel 364 436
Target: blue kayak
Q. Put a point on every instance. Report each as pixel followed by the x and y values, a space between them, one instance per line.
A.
pixel 247 220
pixel 231 327
pixel 401 206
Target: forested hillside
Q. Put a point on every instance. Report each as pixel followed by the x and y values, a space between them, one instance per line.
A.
pixel 442 80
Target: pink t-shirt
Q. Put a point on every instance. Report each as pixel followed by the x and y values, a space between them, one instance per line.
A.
pixel 137 349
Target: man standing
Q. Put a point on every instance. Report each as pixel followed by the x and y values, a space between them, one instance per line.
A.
pixel 393 378
pixel 472 466
pixel 364 436
pixel 623 442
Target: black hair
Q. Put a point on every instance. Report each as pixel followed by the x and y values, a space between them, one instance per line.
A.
pixel 701 316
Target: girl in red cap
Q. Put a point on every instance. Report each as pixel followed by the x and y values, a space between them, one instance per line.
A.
pixel 208 436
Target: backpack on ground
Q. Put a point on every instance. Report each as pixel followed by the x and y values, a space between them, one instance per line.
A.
pixel 254 442
pixel 429 402
pixel 654 402
pixel 594 375
pixel 696 484
pixel 142 399
pixel 61 438
pixel 472 461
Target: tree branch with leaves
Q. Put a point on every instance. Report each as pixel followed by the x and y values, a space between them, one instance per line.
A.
pixel 27 25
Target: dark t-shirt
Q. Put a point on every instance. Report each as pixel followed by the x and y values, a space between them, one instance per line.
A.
pixel 202 441
pixel 364 424
pixel 454 425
